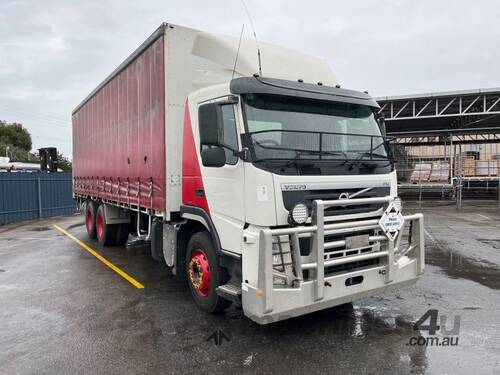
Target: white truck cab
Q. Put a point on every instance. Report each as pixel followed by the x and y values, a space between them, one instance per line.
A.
pixel 297 178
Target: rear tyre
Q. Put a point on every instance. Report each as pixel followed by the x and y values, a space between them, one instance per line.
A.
pixel 106 233
pixel 90 219
pixel 204 274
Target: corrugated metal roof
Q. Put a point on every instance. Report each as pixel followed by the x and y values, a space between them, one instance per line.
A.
pixel 439 94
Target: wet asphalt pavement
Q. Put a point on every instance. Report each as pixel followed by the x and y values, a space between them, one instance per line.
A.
pixel 64 312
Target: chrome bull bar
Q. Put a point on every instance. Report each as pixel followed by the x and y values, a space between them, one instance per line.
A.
pixel 318 230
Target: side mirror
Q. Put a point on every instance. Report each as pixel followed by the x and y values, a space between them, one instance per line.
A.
pixel 210 123
pixel 213 157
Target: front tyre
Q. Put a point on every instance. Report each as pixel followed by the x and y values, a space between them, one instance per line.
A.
pixel 204 274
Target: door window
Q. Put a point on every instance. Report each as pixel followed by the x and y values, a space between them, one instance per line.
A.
pixel 229 132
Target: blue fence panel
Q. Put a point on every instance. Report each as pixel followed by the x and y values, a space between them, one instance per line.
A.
pixel 25 196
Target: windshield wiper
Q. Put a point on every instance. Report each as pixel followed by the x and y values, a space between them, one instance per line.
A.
pixel 367 154
pixel 299 153
pixel 370 154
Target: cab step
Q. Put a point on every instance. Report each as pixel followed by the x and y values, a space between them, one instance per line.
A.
pixel 230 292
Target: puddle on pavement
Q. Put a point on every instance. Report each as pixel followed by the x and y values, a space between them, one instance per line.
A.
pixel 344 331
pixel 75 226
pixel 459 267
pixel 40 229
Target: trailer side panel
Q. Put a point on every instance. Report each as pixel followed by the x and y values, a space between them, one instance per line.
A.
pixel 119 135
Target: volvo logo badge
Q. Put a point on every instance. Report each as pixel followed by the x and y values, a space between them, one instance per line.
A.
pixel 344 195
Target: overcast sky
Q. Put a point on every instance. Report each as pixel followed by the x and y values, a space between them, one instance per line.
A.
pixel 54 52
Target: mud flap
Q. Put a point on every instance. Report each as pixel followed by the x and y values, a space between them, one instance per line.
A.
pixel 157 240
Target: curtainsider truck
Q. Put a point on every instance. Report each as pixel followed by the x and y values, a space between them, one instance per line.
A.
pixel 249 170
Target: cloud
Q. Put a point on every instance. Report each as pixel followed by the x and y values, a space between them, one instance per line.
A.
pixel 54 52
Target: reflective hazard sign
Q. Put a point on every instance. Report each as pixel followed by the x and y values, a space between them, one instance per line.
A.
pixel 391 221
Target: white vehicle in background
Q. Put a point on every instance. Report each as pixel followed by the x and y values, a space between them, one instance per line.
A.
pixel 273 190
pixel 12 166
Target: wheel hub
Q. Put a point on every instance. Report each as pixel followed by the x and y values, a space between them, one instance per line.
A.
pixel 89 221
pixel 199 273
pixel 100 226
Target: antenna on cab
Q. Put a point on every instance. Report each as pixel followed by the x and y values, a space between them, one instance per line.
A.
pixel 254 35
pixel 238 51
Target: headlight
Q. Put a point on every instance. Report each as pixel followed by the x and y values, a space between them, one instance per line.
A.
pixel 398 203
pixel 299 214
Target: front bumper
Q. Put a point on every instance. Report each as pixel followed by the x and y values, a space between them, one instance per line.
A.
pixel 306 288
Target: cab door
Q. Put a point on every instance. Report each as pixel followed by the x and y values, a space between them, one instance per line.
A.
pixel 224 185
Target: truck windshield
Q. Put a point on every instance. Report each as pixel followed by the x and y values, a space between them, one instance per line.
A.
pixel 296 128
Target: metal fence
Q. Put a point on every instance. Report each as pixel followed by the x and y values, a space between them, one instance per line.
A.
pixel 25 196
pixel 447 171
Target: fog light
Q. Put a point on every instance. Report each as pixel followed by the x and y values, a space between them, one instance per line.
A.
pixel 299 214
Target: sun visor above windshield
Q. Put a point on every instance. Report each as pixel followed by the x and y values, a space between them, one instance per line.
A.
pixel 271 86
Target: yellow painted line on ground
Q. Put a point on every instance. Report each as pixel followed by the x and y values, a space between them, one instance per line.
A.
pixel 123 274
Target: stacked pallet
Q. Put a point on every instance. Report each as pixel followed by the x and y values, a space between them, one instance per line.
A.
pixel 440 172
pixel 468 166
pixel 472 167
pixel 421 173
pixel 430 172
pixel 486 168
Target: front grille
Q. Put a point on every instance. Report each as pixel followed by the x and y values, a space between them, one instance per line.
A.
pixel 351 266
pixel 305 242
pixel 342 252
pixel 291 198
pixel 350 237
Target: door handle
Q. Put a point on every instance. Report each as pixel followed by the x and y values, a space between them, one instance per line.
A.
pixel 200 192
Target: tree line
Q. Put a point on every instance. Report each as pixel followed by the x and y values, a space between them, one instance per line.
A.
pixel 16 143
